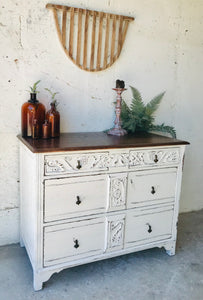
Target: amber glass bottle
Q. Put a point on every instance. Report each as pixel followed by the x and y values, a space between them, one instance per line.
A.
pixel 32 110
pixel 35 129
pixel 53 118
pixel 46 130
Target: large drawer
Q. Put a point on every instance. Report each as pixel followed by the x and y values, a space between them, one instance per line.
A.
pixel 154 157
pixel 148 226
pixel 72 241
pixel 70 197
pixel 151 187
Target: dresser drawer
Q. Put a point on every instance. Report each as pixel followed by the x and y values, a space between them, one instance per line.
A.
pixel 75 163
pixel 72 241
pixel 154 157
pixel 70 197
pixel 148 226
pixel 149 187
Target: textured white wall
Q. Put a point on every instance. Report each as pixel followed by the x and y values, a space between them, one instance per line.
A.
pixel 163 51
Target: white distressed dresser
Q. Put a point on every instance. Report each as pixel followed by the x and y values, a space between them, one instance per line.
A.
pixel 89 196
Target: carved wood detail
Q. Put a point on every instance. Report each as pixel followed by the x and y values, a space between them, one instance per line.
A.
pixel 119 160
pixel 118 190
pixel 94 161
pixel 54 166
pixel 105 160
pixel 88 161
pixel 116 233
pixel 71 163
pixel 156 157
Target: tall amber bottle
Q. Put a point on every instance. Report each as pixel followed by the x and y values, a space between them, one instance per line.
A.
pixel 32 110
pixel 53 118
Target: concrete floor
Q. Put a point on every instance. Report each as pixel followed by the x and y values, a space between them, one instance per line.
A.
pixel 146 275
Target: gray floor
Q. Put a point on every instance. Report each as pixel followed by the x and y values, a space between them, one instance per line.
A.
pixel 149 274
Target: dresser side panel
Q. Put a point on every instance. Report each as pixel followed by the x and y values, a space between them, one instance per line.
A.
pixel 28 201
pixel 178 192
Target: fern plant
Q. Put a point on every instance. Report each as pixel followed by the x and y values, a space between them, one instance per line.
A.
pixel 140 117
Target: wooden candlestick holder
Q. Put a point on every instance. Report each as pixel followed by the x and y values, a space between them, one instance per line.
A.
pixel 118 130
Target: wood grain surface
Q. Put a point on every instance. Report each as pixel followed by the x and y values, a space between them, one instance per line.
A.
pixel 97 140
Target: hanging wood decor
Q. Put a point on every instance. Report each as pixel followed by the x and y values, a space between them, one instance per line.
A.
pixel 92 40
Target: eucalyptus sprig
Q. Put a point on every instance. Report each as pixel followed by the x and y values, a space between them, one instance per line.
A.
pixel 53 95
pixel 140 117
pixel 33 89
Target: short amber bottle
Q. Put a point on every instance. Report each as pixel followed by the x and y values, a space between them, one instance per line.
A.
pixel 46 130
pixel 53 118
pixel 32 110
pixel 35 129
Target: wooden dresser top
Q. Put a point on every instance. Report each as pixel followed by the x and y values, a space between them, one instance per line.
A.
pixel 97 140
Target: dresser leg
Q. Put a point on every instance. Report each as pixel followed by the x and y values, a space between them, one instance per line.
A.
pixel 171 248
pixel 37 282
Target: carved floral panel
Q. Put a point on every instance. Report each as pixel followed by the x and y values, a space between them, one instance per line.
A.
pixel 118 185
pixel 116 233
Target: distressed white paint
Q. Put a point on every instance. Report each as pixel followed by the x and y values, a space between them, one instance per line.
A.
pixel 74 196
pixel 68 239
pixel 163 51
pixel 148 187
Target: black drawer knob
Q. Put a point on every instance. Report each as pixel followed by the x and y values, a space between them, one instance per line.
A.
pixel 156 158
pixel 78 165
pixel 78 200
pixel 76 244
pixel 153 190
pixel 149 228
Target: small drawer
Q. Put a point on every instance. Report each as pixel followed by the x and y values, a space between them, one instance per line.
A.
pixel 154 157
pixel 148 226
pixel 151 187
pixel 70 197
pixel 72 241
pixel 75 163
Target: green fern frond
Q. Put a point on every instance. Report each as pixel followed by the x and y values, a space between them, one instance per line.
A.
pixel 125 110
pixel 136 94
pixel 164 128
pixel 139 117
pixel 152 106
pixel 137 107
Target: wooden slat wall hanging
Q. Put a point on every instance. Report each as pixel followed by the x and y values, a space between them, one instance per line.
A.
pixel 92 40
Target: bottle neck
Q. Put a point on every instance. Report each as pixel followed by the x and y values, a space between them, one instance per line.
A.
pixel 33 98
pixel 53 106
